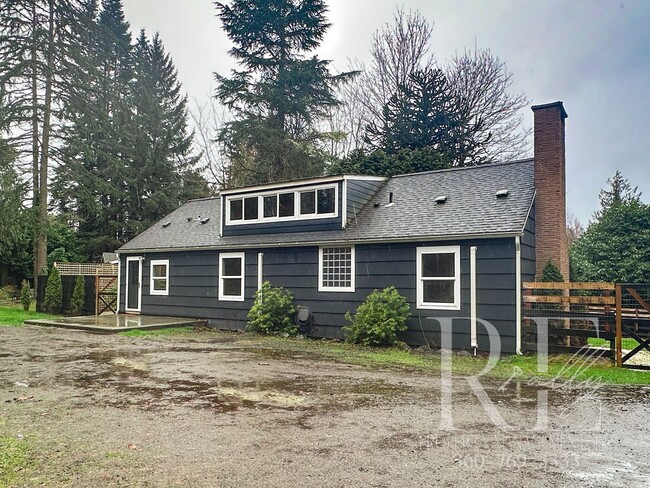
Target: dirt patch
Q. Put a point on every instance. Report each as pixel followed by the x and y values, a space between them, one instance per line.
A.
pixel 215 410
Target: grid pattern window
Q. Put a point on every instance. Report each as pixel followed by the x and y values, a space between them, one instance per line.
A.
pixel 231 276
pixel 336 269
pixel 438 278
pixel 159 277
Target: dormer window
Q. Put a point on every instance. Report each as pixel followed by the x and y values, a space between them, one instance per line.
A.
pixel 302 203
pixel 287 205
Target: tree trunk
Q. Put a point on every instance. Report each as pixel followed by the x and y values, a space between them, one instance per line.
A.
pixel 41 254
pixel 35 146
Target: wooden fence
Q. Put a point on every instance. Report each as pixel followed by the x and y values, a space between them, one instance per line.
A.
pixel 613 319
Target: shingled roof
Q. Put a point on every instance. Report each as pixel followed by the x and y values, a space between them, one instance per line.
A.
pixel 471 208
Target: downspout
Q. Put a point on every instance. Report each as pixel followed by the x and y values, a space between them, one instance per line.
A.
pixel 119 281
pixel 260 273
pixel 518 294
pixel 472 272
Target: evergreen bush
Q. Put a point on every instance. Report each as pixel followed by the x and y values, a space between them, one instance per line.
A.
pixel 25 295
pixel 53 292
pixel 273 312
pixel 78 296
pixel 379 320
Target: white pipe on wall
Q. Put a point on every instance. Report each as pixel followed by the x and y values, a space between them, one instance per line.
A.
pixel 472 299
pixel 260 270
pixel 518 294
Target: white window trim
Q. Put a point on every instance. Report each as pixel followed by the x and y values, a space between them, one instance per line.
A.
pixel 296 203
pixel 242 276
pixel 158 262
pixel 321 287
pixel 418 277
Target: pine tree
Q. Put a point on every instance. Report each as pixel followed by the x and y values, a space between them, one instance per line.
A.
pixel 280 93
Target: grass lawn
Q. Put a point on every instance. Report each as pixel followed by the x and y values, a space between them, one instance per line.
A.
pixel 14 315
pixel 628 343
pixel 562 366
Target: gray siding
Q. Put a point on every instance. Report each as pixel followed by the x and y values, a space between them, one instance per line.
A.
pixel 359 192
pixel 194 292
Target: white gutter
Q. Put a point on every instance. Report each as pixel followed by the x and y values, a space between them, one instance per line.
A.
pixel 518 294
pixel 472 299
pixel 334 242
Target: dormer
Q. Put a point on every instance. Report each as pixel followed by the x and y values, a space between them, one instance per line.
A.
pixel 314 204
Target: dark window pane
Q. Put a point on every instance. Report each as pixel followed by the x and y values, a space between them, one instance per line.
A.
pixel 438 265
pixel 231 287
pixel 435 291
pixel 286 205
pixel 235 209
pixel 308 202
pixel 159 270
pixel 159 284
pixel 231 267
pixel 250 208
pixel 271 206
pixel 326 201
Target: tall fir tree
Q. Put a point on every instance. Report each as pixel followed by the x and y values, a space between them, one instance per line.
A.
pixel 162 173
pixel 126 158
pixel 280 92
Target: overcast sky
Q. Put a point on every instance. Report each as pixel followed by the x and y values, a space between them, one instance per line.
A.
pixel 592 55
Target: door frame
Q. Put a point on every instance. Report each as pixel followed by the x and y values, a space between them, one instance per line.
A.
pixel 139 259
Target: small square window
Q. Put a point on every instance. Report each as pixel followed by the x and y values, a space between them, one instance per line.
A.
pixel 231 276
pixel 250 208
pixel 270 206
pixel 236 209
pixel 326 204
pixel 307 202
pixel 287 208
pixel 438 278
pixel 159 277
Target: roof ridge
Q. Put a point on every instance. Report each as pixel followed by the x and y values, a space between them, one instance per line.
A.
pixel 462 168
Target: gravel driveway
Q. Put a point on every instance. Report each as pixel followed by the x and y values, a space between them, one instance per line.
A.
pixel 221 410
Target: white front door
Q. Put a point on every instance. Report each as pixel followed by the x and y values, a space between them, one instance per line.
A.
pixel 133 284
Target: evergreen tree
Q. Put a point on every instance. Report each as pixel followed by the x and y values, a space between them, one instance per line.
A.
pixel 620 191
pixel 280 93
pixel 162 173
pixel 78 296
pixel 53 292
pixel 422 114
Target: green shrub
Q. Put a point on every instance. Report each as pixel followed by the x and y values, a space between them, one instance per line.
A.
pixel 78 296
pixel 379 320
pixel 25 295
pixel 53 292
pixel 273 311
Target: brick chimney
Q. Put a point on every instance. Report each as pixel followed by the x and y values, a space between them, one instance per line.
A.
pixel 550 184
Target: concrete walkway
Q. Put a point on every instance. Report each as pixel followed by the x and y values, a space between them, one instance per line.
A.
pixel 118 323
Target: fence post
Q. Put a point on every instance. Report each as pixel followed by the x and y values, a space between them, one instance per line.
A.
pixel 619 326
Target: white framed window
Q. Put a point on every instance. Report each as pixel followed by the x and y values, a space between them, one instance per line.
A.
pixel 159 277
pixel 231 276
pixel 336 268
pixel 438 278
pixel 313 202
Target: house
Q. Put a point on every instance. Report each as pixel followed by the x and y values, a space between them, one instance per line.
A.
pixel 456 243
